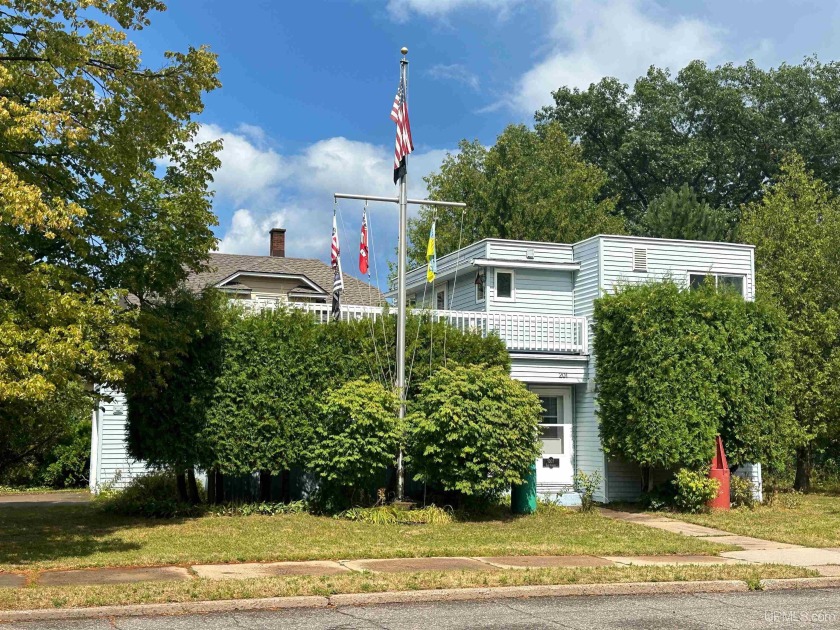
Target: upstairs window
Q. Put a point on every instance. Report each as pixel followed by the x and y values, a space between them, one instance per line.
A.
pixel 480 286
pixel 722 282
pixel 440 298
pixel 504 285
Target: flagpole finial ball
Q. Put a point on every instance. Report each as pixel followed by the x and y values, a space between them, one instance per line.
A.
pixel 404 50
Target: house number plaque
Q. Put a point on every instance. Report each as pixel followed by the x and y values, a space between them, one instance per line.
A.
pixel 551 462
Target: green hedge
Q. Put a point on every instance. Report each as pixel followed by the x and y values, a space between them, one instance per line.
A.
pixel 676 368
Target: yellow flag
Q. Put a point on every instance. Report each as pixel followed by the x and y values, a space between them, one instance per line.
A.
pixel 431 256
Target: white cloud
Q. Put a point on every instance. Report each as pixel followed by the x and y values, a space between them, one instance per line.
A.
pixel 400 9
pixel 592 39
pixel 259 189
pixel 455 72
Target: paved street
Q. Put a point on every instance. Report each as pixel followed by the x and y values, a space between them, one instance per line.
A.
pixel 777 609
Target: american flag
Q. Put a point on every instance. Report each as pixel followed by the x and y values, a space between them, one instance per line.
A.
pixel 338 279
pixel 404 144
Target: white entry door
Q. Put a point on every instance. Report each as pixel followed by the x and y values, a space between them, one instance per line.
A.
pixel 555 468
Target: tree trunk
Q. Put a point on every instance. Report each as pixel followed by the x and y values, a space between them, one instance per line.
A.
pixel 647 479
pixel 211 486
pixel 803 469
pixel 220 488
pixel 182 487
pixel 265 486
pixel 286 486
pixel 195 499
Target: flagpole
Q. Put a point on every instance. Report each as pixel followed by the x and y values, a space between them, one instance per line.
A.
pixel 401 302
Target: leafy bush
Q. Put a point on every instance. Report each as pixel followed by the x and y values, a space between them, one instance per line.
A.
pixel 694 489
pixel 473 429
pixel 70 467
pixel 390 515
pixel 150 496
pixel 587 485
pixel 677 367
pixel 359 434
pixel 261 509
pixel 741 492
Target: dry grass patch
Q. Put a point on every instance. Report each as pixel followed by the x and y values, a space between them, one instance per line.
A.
pixel 814 522
pixel 206 590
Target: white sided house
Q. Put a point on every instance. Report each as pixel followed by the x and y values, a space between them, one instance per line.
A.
pixel 538 297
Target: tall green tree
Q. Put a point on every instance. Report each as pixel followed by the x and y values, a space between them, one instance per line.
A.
pixel 532 185
pixel 723 131
pixel 679 214
pixel 102 193
pixel 796 231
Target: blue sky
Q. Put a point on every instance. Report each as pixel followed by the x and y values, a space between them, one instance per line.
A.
pixel 307 87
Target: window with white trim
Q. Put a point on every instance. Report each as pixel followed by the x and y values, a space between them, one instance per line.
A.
pixel 721 281
pixel 480 286
pixel 440 297
pixel 504 285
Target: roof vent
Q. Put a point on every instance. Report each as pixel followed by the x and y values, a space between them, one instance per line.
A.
pixel 639 259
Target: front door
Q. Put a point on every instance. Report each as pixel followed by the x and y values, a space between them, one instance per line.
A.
pixel 555 468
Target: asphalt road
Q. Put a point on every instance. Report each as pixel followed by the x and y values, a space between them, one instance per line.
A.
pixel 777 609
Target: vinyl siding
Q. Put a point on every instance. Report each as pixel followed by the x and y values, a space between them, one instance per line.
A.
pixel 675 259
pixel 517 250
pixel 554 371
pixel 543 291
pixel 113 465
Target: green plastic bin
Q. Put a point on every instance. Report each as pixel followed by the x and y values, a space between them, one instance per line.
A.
pixel 523 498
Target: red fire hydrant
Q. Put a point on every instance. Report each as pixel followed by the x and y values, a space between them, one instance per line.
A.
pixel 720 471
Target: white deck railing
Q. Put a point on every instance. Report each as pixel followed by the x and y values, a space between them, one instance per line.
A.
pixel 524 332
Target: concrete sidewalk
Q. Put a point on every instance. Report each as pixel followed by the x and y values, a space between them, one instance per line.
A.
pixel 244 571
pixel 753 550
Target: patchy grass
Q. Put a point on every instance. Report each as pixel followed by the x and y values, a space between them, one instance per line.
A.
pixel 815 522
pixel 7 490
pixel 205 590
pixel 77 536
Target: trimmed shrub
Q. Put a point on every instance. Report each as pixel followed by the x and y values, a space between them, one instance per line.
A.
pixel 358 435
pixel 676 368
pixel 473 430
pixel 694 489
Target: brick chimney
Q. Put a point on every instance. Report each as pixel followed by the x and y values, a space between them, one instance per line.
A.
pixel 278 243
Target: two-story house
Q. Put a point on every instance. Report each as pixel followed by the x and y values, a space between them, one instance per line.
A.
pixel 540 299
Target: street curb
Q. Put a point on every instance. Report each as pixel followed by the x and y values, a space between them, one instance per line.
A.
pixel 791 584
pixel 155 610
pixel 387 597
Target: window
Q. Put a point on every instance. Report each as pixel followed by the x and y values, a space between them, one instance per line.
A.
pixel 412 300
pixel 440 298
pixel 722 282
pixel 551 422
pixel 504 285
pixel 480 286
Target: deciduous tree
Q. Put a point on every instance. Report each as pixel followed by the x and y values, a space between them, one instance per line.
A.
pixel 531 185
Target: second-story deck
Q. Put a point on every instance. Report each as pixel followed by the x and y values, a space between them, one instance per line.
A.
pixel 521 332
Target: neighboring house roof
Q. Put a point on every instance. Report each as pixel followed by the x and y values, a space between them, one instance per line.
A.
pixel 314 271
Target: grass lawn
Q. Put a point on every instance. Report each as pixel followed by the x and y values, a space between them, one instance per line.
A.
pixel 204 590
pixel 814 523
pixel 80 535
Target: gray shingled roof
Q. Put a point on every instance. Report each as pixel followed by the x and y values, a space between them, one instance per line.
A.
pixel 225 265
